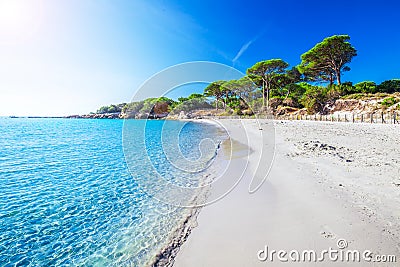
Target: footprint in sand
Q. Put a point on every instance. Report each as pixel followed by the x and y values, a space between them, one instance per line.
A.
pixel 327 233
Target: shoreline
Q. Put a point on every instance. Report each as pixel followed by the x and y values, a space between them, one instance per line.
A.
pixel 166 257
pixel 350 169
pixel 315 187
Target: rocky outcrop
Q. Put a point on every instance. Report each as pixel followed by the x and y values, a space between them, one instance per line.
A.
pixel 116 115
pixel 353 105
pixel 119 115
pixel 182 116
pixel 282 110
pixel 365 105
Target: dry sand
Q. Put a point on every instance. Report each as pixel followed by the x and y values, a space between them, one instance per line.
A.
pixel 328 181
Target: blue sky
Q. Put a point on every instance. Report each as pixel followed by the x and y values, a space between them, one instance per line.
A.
pixel 62 57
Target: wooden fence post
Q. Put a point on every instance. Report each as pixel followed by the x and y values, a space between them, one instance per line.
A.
pixel 353 117
pixel 383 118
pixel 362 117
pixel 372 117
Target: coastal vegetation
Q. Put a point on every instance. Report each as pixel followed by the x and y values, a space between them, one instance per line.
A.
pixel 111 109
pixel 272 86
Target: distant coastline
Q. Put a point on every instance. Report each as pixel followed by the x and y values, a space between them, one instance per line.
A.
pixel 88 116
pixel 35 117
pixel 367 105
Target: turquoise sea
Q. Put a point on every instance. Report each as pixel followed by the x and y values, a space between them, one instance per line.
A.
pixel 67 196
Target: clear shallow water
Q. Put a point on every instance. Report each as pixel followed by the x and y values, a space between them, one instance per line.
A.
pixel 67 197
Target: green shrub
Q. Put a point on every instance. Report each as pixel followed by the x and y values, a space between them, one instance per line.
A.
pixel 234 103
pixel 296 91
pixel 110 109
pixel 314 98
pixel 237 111
pixel 364 96
pixel 365 87
pixel 336 91
pixel 256 104
pixel 390 101
pixel 355 96
pixel 389 86
pixel 133 107
pixel 225 113
pixel 192 104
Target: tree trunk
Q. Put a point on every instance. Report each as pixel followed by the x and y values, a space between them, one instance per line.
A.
pixel 330 79
pixel 338 76
pixel 338 79
pixel 216 104
pixel 267 99
pixel 263 95
pixel 287 94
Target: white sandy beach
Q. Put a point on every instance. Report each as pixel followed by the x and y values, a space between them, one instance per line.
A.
pixel 329 181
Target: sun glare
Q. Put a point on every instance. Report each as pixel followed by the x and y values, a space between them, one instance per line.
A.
pixel 18 19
